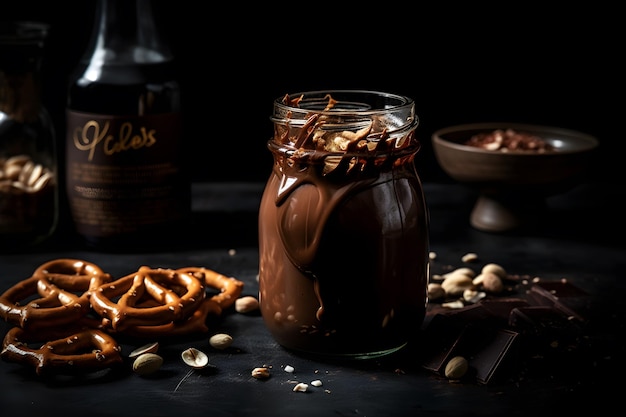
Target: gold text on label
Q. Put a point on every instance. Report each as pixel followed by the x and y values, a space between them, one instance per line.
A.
pixel 88 137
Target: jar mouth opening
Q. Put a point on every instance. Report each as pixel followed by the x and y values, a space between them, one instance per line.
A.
pixel 347 110
pixel 20 33
pixel 345 102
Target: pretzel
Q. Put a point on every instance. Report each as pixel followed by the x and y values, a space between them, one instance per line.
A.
pixel 148 297
pixel 61 294
pixel 50 294
pixel 230 289
pixel 83 351
pixel 196 323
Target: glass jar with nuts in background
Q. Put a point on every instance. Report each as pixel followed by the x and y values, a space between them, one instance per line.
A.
pixel 29 200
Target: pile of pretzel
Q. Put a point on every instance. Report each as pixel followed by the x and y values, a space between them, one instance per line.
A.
pixel 75 309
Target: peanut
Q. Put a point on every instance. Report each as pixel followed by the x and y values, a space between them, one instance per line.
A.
pixel 456 368
pixel 490 282
pixel 455 284
pixel 246 304
pixel 221 341
pixel 147 363
pixel 495 269
pixel 436 291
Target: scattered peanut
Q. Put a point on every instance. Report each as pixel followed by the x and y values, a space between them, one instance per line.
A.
pixel 495 269
pixel 456 368
pixel 436 291
pixel 455 283
pixel 261 373
pixel 220 341
pixel 246 304
pixel 195 358
pixel 463 271
pixel 470 257
pixel 490 282
pixel 147 363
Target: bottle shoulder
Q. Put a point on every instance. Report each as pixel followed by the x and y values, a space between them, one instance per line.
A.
pixel 125 73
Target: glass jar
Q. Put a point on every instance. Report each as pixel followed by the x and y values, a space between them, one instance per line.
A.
pixel 343 225
pixel 29 202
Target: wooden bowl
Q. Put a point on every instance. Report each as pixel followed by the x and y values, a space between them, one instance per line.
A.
pixel 513 185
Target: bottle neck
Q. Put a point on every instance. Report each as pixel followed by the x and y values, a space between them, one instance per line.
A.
pixel 126 32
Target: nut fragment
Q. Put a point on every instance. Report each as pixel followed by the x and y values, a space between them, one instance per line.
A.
pixel 221 341
pixel 147 363
pixel 261 373
pixel 246 304
pixel 453 304
pixel 473 296
pixel 470 257
pixel 300 387
pixel 149 348
pixel 456 368
pixel 195 358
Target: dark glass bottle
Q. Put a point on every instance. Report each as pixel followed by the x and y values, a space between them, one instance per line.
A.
pixel 29 198
pixel 126 180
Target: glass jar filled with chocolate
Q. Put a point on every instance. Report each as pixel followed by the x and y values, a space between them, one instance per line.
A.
pixel 343 225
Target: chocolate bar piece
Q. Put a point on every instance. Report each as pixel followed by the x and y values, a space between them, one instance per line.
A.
pixel 497 357
pixel 545 328
pixel 495 333
pixel 560 295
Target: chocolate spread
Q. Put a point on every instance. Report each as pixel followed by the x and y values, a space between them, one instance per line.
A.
pixel 343 241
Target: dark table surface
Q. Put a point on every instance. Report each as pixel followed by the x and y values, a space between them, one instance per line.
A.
pixel 580 239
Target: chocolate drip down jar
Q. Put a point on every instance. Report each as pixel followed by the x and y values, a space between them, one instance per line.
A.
pixel 343 225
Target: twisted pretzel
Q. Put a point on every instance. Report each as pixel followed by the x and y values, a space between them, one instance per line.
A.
pixel 56 294
pixel 85 350
pixel 196 323
pixel 148 297
pixel 61 294
pixel 229 290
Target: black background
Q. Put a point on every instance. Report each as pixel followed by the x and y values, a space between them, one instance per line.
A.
pixel 461 64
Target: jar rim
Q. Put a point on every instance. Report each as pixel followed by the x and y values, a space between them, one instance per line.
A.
pixel 23 32
pixel 362 102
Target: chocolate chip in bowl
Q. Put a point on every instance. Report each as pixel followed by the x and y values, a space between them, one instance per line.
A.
pixel 514 167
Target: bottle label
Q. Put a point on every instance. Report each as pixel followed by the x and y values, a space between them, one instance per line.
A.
pixel 124 173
